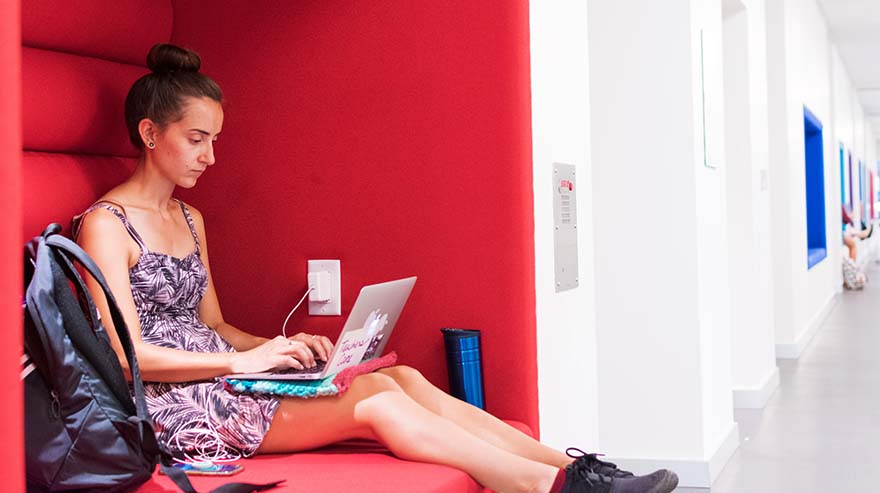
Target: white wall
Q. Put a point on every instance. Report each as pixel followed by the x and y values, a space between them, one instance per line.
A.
pixel 799 65
pixel 644 344
pixel 754 371
pixel 711 210
pixel 561 133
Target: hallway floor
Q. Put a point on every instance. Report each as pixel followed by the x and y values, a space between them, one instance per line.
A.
pixel 820 432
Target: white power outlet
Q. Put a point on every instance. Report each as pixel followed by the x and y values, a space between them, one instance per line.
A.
pixel 333 306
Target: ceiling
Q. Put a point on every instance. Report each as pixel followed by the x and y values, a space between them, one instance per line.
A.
pixel 855 30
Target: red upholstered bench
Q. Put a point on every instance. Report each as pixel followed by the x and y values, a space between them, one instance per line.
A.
pixel 79 59
pixel 351 466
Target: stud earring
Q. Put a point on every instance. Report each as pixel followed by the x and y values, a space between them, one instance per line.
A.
pixel 151 145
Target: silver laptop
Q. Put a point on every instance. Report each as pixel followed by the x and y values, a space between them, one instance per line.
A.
pixel 363 337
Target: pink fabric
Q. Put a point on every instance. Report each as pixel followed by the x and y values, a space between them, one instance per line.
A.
pixel 345 377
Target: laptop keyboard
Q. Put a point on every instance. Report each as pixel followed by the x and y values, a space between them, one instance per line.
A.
pixel 318 368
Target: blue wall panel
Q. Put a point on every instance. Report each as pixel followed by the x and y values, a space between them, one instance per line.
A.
pixel 815 188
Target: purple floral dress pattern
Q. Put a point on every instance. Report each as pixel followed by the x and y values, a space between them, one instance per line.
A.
pixel 167 291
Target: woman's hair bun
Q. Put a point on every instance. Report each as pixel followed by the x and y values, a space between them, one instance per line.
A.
pixel 164 58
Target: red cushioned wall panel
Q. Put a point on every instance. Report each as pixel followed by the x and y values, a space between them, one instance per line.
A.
pixel 392 135
pixel 367 466
pixel 75 104
pixel 11 417
pixel 116 30
pixel 58 186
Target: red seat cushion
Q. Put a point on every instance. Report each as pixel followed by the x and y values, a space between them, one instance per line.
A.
pixel 75 104
pixel 109 29
pixel 58 186
pixel 361 466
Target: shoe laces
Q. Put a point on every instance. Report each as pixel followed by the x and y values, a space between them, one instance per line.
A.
pixel 585 471
pixel 595 465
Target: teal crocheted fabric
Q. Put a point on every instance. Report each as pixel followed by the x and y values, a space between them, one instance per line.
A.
pixel 292 388
pixel 332 385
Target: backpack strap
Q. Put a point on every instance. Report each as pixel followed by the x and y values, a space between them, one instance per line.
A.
pixel 182 481
pixel 72 251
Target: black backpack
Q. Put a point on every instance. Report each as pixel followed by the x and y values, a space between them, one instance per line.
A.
pixel 83 430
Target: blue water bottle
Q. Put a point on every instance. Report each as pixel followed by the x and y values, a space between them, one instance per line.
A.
pixel 464 365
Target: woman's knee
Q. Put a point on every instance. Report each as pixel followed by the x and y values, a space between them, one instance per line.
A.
pixel 374 383
pixel 385 408
pixel 405 376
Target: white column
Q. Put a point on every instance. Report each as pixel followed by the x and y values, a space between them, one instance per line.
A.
pixel 755 376
pixel 566 337
pixel 661 272
pixel 799 75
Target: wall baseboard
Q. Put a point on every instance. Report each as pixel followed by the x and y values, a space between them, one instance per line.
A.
pixel 692 473
pixel 756 398
pixel 794 350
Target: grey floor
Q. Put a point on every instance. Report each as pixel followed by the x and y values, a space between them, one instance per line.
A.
pixel 820 432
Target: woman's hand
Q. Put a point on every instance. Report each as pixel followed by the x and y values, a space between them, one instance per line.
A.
pixel 275 354
pixel 321 346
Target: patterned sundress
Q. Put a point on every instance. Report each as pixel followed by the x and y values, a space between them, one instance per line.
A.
pixel 167 291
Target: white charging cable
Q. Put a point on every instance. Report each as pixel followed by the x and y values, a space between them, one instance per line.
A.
pixel 202 446
pixel 284 327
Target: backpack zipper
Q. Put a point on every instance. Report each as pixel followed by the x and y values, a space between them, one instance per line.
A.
pixel 56 404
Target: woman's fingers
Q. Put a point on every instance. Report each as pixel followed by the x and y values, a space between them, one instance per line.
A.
pixel 289 362
pixel 320 345
pixel 300 351
pixel 327 345
pixel 306 356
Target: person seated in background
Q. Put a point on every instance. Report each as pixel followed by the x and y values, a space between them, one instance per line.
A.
pixel 153 252
pixel 851 234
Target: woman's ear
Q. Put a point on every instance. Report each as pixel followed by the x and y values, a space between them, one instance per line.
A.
pixel 148 131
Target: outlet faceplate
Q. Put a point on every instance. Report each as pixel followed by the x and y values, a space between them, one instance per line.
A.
pixel 334 306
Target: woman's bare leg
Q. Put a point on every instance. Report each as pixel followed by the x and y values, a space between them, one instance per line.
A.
pixel 850 242
pixel 473 419
pixel 376 407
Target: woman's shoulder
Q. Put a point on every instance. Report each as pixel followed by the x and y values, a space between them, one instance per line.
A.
pixel 100 220
pixel 102 231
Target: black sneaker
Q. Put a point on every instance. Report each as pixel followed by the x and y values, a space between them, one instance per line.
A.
pixel 605 476
pixel 593 463
pixel 662 481
pixel 580 479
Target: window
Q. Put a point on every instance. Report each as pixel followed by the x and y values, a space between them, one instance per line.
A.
pixel 815 183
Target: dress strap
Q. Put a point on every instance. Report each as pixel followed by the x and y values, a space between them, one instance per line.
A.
pixel 114 209
pixel 192 226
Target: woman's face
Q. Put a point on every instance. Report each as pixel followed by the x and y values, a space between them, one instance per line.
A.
pixel 185 148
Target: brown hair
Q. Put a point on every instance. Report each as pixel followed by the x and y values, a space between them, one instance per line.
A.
pixel 160 94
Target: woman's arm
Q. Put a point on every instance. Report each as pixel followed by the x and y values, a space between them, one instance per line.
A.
pixel 104 238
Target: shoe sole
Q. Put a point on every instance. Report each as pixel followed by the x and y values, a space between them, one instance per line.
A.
pixel 669 483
